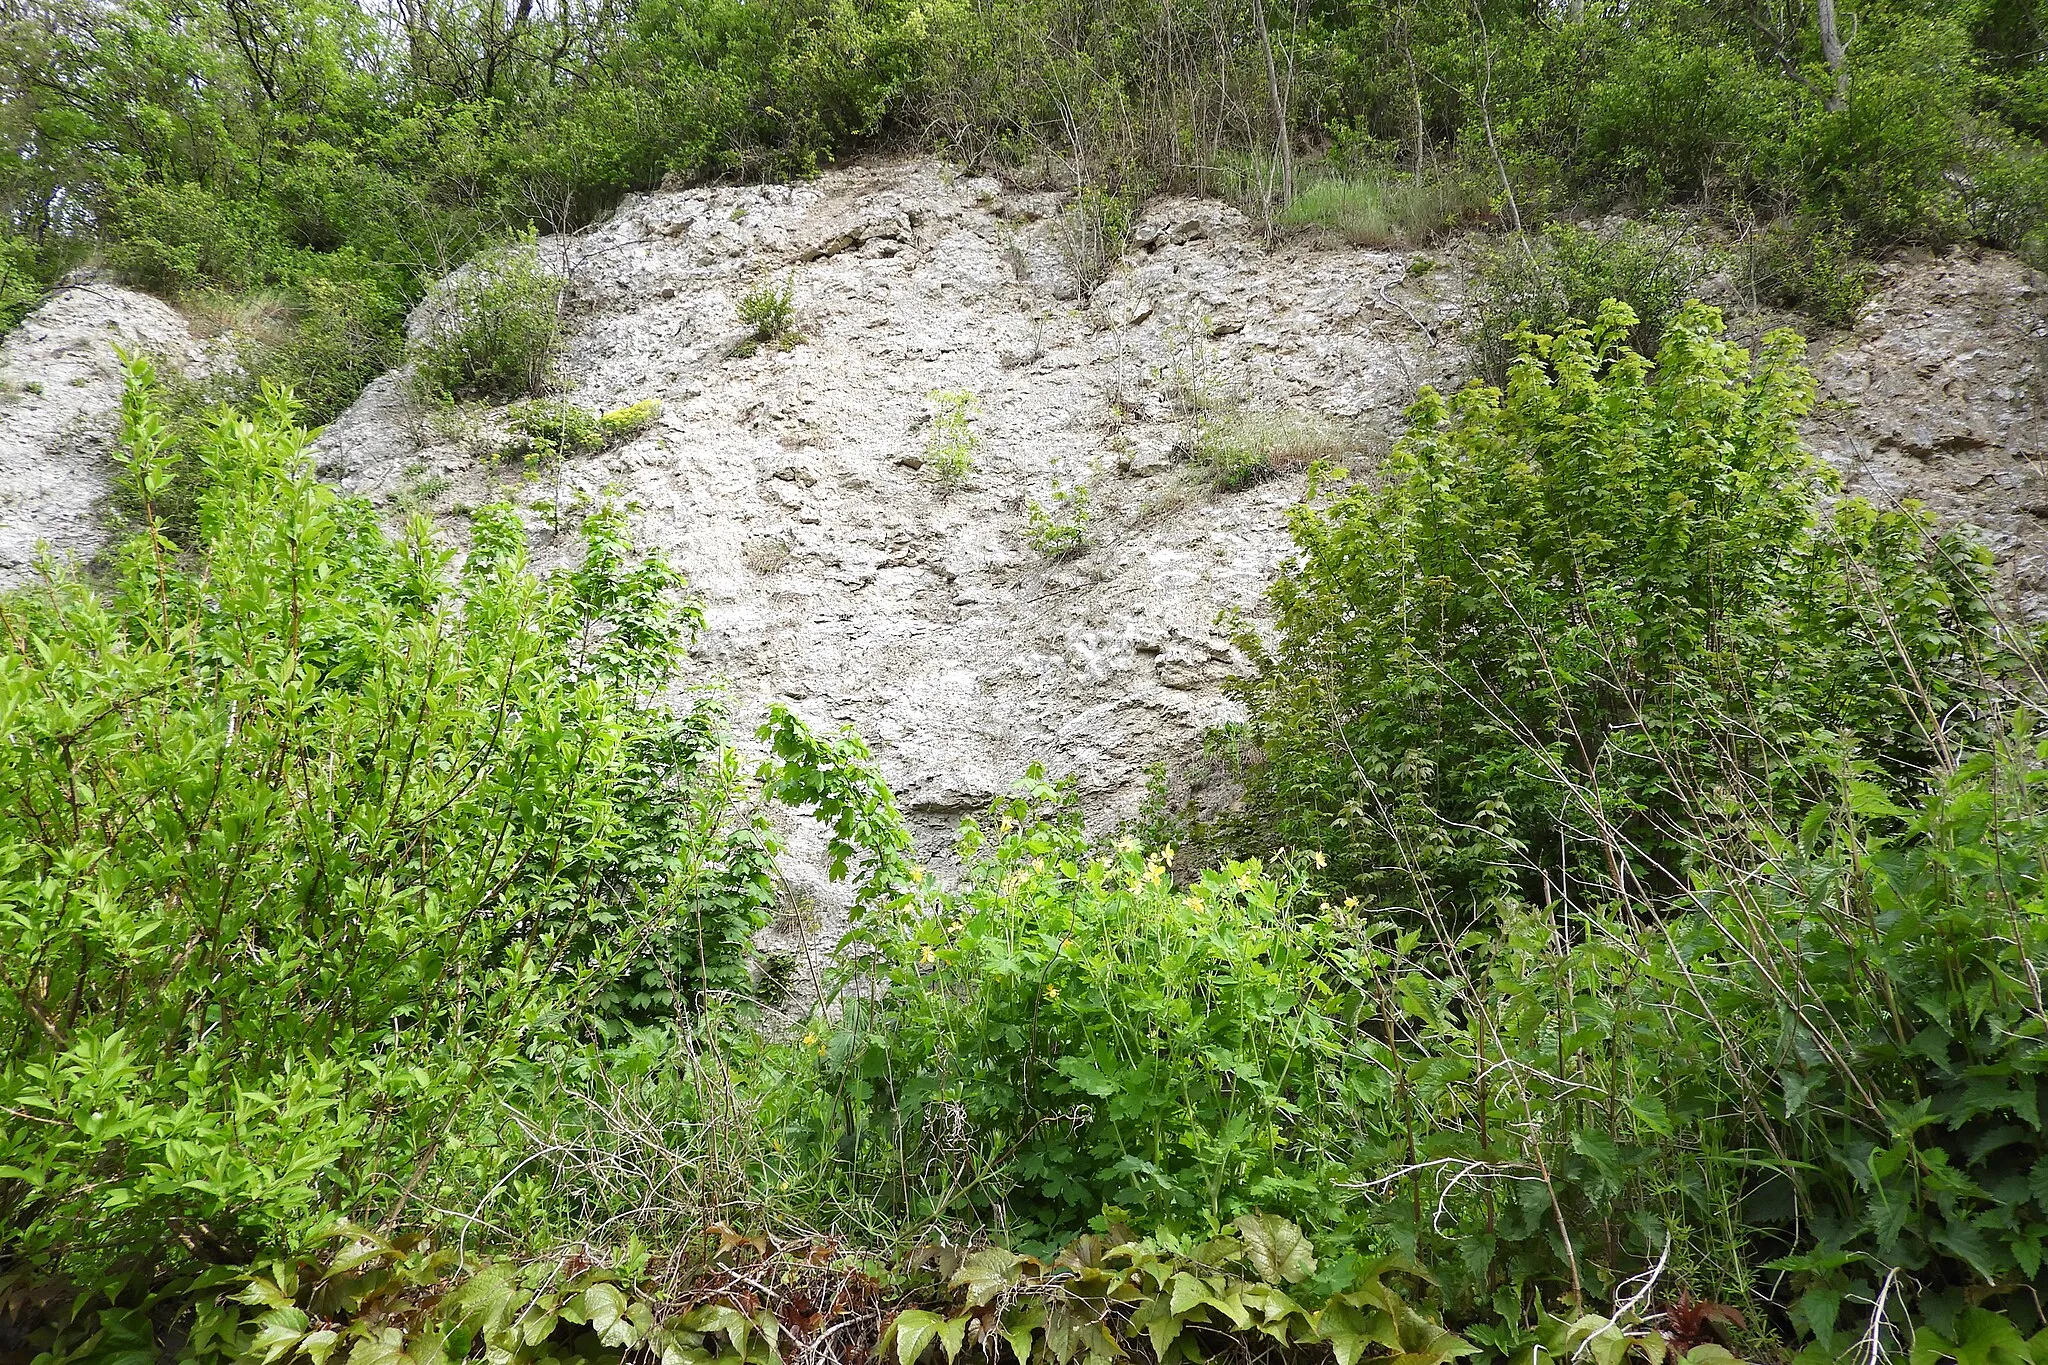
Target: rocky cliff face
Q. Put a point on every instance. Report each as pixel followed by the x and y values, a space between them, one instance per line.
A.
pixel 60 395
pixel 842 578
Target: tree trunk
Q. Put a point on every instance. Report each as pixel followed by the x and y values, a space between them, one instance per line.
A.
pixel 1834 52
pixel 1286 138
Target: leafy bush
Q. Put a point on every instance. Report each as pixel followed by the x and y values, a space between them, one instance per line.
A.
pixel 769 314
pixel 24 275
pixel 1059 529
pixel 1813 266
pixel 549 428
pixel 1090 237
pixel 623 424
pixel 1565 272
pixel 1596 609
pixel 493 331
pixel 340 334
pixel 950 446
pixel 1071 1033
pixel 308 844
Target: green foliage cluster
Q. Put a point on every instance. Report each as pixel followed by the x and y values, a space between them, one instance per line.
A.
pixel 544 429
pixel 1058 528
pixel 313 852
pixel 951 444
pixel 1599 611
pixel 769 315
pixel 493 331
pixel 344 159
pixel 1544 280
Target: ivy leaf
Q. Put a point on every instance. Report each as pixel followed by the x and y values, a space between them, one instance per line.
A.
pixel 985 1274
pixel 319 1345
pixel 606 1305
pixel 912 1331
pixel 1279 1252
pixel 1019 1325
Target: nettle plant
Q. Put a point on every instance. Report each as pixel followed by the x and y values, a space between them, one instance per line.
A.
pixel 309 843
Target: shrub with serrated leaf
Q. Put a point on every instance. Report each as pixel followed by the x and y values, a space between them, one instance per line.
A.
pixel 1602 609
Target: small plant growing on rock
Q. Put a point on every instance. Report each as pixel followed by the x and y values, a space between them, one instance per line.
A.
pixel 1239 449
pixel 545 429
pixel 950 447
pixel 770 314
pixel 622 424
pixel 494 331
pixel 1059 528
pixel 1091 237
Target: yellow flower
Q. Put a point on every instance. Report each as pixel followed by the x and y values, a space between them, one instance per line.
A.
pixel 1351 902
pixel 925 955
pixel 1052 992
pixel 810 1040
pixel 1167 854
pixel 1321 861
pixel 916 875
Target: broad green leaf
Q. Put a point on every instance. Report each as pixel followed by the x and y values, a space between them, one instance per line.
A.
pixel 1278 1251
pixel 911 1332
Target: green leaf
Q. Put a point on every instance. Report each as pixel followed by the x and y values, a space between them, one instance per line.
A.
pixel 912 1331
pixel 1018 1326
pixel 606 1305
pixel 1278 1251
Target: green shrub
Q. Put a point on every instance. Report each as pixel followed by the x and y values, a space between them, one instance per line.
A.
pixel 546 429
pixel 551 428
pixel 1589 604
pixel 622 424
pixel 1889 165
pixel 1069 1034
pixel 1058 529
pixel 173 238
pixel 1813 266
pixel 1090 236
pixel 950 446
pixel 1548 279
pixel 493 331
pixel 346 846
pixel 25 274
pixel 769 314
pixel 338 336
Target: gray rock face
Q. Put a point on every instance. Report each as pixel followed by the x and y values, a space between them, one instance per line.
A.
pixel 60 404
pixel 793 485
pixel 1940 393
pixel 840 576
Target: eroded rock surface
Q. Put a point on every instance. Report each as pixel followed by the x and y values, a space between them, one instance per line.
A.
pixel 838 576
pixel 1940 393
pixel 60 404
